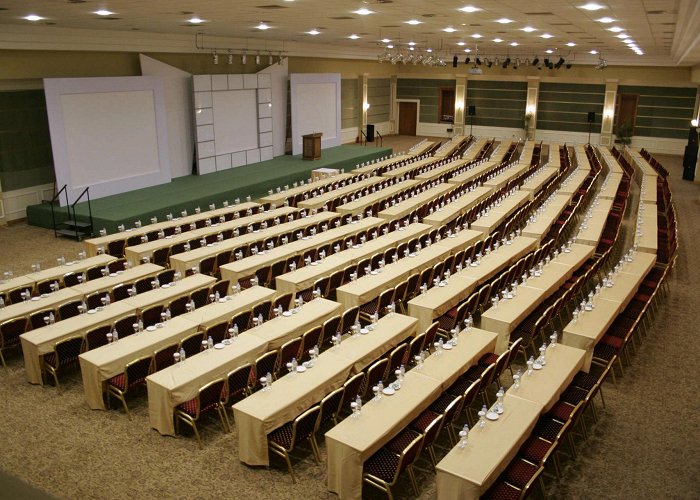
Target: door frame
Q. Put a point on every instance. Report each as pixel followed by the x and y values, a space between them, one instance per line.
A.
pixel 396 113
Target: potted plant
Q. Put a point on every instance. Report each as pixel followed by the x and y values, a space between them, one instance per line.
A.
pixel 623 133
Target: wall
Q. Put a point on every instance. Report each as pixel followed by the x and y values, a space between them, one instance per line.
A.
pixel 564 107
pixel 497 103
pixel 350 109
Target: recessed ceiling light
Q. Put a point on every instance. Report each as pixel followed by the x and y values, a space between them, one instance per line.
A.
pixel 411 48
pixel 195 20
pixel 616 29
pixel 591 6
pixel 528 29
pixel 103 12
pixel 385 40
pixel 33 17
pixel 571 44
pixel 514 44
pixel 313 32
pixel 546 35
pixel 622 35
pixel 476 35
pixel 411 44
pixel 262 26
pixel 363 12
pixel 390 46
pixel 549 51
pixel 504 20
pixel 628 41
pixel 461 44
pixel 594 52
pixel 429 50
pixel 498 40
pixel 449 29
pixel 606 20
pixel 354 37
pixel 413 22
pixel 469 9
pixel 467 50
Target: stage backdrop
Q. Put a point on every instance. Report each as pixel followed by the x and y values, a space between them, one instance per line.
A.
pixel 315 108
pixel 109 134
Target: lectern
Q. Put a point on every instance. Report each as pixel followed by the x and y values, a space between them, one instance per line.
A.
pixel 312 146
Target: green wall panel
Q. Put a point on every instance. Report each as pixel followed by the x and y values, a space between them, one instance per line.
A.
pixel 427 91
pixel 25 143
pixel 498 104
pixel 378 97
pixel 565 106
pixel 662 111
pixel 349 97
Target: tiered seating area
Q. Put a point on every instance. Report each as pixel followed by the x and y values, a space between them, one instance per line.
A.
pixel 408 287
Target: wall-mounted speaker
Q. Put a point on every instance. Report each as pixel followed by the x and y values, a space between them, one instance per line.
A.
pixel 454 61
pixel 591 117
pixel 471 110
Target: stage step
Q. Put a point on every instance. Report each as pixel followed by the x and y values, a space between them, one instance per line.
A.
pixel 76 223
pixel 72 233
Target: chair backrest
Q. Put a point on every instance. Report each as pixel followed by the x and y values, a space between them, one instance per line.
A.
pixel 384 300
pixel 160 256
pixel 471 393
pixel 330 406
pixel 431 432
pixel 396 358
pixel 217 332
pixel 71 279
pixel 409 455
pixel 513 351
pixel 68 350
pixel 412 285
pixel 263 308
pixel 137 371
pixel 144 285
pixel 200 297
pixel 210 395
pixel 349 318
pixel 284 300
pixel 69 309
pixel 415 347
pixel 151 315
pixel 375 373
pixel 311 338
pixel 400 291
pixel 94 300
pixel 265 364
pixel 430 335
pixel 166 277
pixel 263 275
pixel 453 410
pixel 242 320
pixel 239 381
pixel 289 350
pixel 178 306
pixel 223 258
pixel 163 357
pixel 116 248
pixel 10 331
pixel 121 291
pixel 352 388
pixel 305 424
pixel 125 326
pixel 97 337
pixel 192 344
pixel 45 286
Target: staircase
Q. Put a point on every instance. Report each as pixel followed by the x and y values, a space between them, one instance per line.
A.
pixel 67 223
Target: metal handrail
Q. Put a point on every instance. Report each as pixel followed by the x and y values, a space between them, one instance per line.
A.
pixel 381 139
pixel 365 136
pixel 55 198
pixel 86 191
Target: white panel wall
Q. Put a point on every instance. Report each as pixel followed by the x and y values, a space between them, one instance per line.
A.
pixel 277 124
pixel 315 108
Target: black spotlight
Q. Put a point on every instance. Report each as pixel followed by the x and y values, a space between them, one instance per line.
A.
pixel 560 63
pixel 467 60
pixel 478 61
pixel 569 65
pixel 546 61
pixel 535 61
pixel 506 62
pixel 455 61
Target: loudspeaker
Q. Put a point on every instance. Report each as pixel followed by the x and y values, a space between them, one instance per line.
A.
pixel 454 61
pixel 471 110
pixel 591 117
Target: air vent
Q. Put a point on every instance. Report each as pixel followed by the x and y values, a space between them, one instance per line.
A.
pixel 539 13
pixel 391 26
pixel 77 1
pixel 271 7
pixel 655 12
pixel 4 8
pixel 428 15
pixel 109 18
pixel 384 1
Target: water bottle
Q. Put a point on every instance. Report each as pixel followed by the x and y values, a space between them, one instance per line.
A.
pixel 210 342
pixel 182 355
pixel 52 318
pixel 140 325
pixel 268 376
pixel 115 335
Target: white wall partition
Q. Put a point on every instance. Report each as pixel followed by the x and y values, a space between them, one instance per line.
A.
pixel 315 108
pixel 109 134
pixel 233 114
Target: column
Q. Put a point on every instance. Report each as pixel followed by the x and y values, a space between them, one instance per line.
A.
pixel 3 218
pixel 364 103
pixel 530 119
pixel 393 128
pixel 606 127
pixel 460 103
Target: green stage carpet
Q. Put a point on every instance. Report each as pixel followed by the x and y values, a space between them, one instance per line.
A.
pixel 187 193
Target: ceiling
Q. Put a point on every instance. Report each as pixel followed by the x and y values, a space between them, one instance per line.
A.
pixel 665 31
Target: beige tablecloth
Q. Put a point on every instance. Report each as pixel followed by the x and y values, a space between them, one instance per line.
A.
pixel 473 172
pixel 498 214
pixel 405 207
pixel 50 301
pixel 360 205
pixel 353 441
pixel 187 260
pixel 371 167
pixel 502 179
pixel 76 266
pixel 92 244
pixel 106 283
pixel 236 270
pixel 258 415
pixel 648 193
pixel 306 276
pixel 438 300
pixel 467 473
pixel 325 199
pixel 535 183
pixel 279 198
pixel 136 253
pixel 164 294
pixel 589 328
pixel 458 207
pixel 24 281
pixel 573 183
pixel 540 227
pixel 611 183
pixel 407 169
pixel 648 240
pixel 591 229
pixel 434 173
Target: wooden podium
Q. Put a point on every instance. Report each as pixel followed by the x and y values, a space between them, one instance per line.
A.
pixel 312 146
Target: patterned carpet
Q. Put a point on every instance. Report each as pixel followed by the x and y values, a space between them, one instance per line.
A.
pixel 644 446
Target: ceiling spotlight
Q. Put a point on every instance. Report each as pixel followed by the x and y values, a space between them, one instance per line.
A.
pixel 528 29
pixel 313 32
pixel 594 52
pixel 469 9
pixel 476 35
pixel 33 17
pixel 215 57
pixel 535 61
pixel 549 51
pixel 602 64
pixel 592 6
pixel 616 29
pixel 514 44
pixel 413 22
pixel 103 12
pixel 385 40
pixel 411 44
pixel 262 26
pixel 571 44
pixel 606 20
pixel 195 20
pixel 546 35
pixel 449 29
pixel 363 12
pixel 467 50
pixel 498 40
pixel 504 20
pixel 354 37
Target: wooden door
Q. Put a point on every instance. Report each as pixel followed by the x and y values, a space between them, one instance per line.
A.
pixel 407 118
pixel 627 109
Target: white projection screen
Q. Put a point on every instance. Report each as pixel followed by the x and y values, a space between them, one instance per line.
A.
pixel 235 116
pixel 108 134
pixel 315 108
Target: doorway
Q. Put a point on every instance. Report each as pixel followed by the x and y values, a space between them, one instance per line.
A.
pixel 407 118
pixel 627 109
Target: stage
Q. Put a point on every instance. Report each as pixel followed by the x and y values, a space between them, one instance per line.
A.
pixel 187 193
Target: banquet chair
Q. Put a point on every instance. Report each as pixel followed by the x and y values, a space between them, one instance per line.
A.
pixel 263 365
pixel 263 275
pixel 10 331
pixel 415 347
pixel 469 390
pixel 383 469
pixel 177 248
pixel 134 375
pixel 121 291
pixel 117 265
pixel 277 269
pixel 43 287
pixel 209 397
pixel 222 287
pixel 412 286
pixel 96 337
pixel 430 334
pixel 515 482
pixel 246 282
pixel 283 440
pixel 375 373
pixel 125 326
pixel 284 300
pixel 238 383
pixel 352 388
pixel 178 306
pixel 377 305
pixel 94 300
pixel 192 344
pixel 330 328
pixel 349 318
pixel 330 408
pixel 68 310
pixel 71 279
pixel 217 332
pixel 163 357
pixel 347 272
pixel 166 277
pixel 400 292
pixel 160 257
pixel 447 323
pixel 116 248
pixel 144 285
pixel 311 338
pixel 36 319
pixel 321 285
pixel 289 350
pixel 242 320
pixel 151 315
pixel 396 359
pixel 263 308
pixel 65 353
pixel 94 273
pixel 200 297
pixel 222 258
